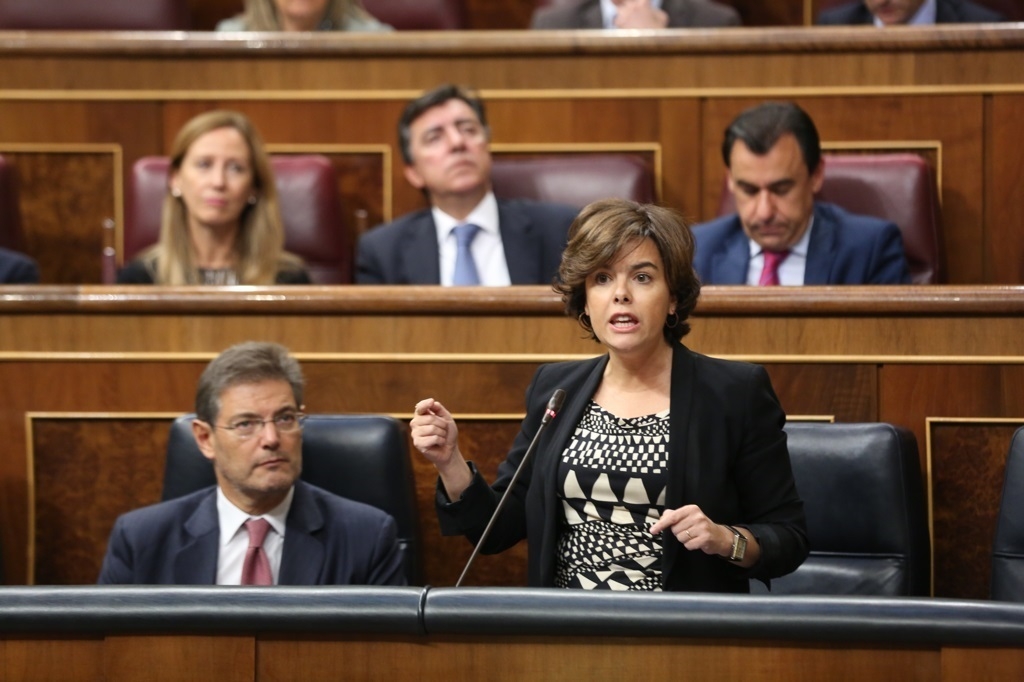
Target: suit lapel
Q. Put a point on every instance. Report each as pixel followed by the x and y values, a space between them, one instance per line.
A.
pixel 196 562
pixel 946 13
pixel 729 266
pixel 684 463
pixel 590 15
pixel 420 256
pixel 679 13
pixel 521 253
pixel 821 248
pixel 302 558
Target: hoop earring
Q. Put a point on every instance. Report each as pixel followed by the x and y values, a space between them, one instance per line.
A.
pixel 584 320
pixel 674 323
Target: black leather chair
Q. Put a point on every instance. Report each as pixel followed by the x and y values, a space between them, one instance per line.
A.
pixel 1008 547
pixel 866 514
pixel 361 457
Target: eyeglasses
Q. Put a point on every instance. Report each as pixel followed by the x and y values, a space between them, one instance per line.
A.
pixel 289 422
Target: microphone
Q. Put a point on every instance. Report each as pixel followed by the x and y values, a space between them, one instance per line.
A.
pixel 554 405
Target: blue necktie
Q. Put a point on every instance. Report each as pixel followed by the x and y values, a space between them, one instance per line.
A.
pixel 465 267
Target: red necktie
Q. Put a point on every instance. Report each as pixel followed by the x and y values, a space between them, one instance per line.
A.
pixel 770 272
pixel 256 569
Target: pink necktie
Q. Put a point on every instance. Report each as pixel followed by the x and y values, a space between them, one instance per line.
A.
pixel 770 272
pixel 256 569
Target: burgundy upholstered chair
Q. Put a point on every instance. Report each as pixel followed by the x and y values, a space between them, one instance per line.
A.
pixel 574 178
pixel 99 15
pixel 897 187
pixel 419 15
pixel 310 206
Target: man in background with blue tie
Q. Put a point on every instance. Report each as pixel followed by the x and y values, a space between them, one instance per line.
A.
pixel 467 236
pixel 779 233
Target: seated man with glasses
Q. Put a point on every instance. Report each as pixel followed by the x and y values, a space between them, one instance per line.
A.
pixel 261 524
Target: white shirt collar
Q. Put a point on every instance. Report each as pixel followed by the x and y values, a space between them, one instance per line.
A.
pixel 485 215
pixel 232 518
pixel 925 15
pixel 609 10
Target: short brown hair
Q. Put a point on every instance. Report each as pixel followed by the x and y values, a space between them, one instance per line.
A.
pixel 246 363
pixel 601 231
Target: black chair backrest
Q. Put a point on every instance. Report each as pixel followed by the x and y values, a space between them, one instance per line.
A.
pixel 361 457
pixel 866 514
pixel 1008 547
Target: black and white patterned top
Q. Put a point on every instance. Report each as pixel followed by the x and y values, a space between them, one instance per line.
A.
pixel 611 481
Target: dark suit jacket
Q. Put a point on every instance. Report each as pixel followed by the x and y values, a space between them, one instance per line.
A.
pixel 946 12
pixel 844 249
pixel 405 251
pixel 17 268
pixel 681 14
pixel 329 541
pixel 727 455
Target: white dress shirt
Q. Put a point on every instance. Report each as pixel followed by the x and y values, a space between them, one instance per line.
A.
pixel 609 10
pixel 791 270
pixel 234 538
pixel 487 247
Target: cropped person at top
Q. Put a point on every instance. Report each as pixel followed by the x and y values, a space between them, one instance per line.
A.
pixel 634 14
pixel 779 233
pixel 467 236
pixel 260 524
pixel 221 221
pixel 665 469
pixel 908 12
pixel 303 15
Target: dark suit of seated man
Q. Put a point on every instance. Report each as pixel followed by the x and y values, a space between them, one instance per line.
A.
pixel 445 143
pixel 779 233
pixel 17 268
pixel 634 14
pixel 249 424
pixel 912 12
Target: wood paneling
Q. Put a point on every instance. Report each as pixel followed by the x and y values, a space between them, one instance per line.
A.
pixel 172 658
pixel 326 656
pixel 968 462
pixel 42 659
pixel 116 464
pixel 954 89
pixel 1003 241
pixel 62 221
pixel 100 362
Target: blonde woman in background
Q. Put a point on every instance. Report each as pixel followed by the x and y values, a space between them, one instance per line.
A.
pixel 303 15
pixel 221 222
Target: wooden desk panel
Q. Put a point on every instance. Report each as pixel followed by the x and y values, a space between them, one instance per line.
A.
pixel 954 93
pixel 96 371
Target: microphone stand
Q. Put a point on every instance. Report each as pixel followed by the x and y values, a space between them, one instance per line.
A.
pixel 554 405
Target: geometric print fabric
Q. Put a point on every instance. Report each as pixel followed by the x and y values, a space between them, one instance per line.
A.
pixel 611 481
